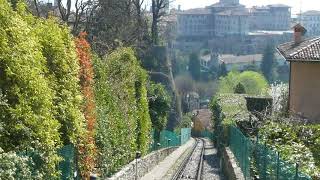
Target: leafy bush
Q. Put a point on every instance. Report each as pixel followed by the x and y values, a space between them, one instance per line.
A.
pixel 239 89
pixel 159 105
pixel 28 115
pixel 63 72
pixel 254 83
pixel 87 146
pixel 13 166
pixel 122 110
pixel 294 144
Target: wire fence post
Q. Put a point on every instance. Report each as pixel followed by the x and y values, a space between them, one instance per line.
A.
pixel 265 162
pixel 297 171
pixel 278 165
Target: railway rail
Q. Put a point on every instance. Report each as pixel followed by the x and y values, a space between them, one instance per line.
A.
pixel 191 167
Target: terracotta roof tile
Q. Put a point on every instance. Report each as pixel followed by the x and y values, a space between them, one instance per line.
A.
pixel 307 50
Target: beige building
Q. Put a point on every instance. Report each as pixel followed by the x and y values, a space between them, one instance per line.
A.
pixel 311 21
pixel 304 57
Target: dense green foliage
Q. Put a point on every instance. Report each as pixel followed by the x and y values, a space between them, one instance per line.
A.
pixel 223 69
pixel 194 66
pixel 13 166
pixel 239 89
pixel 28 110
pixel 41 107
pixel 295 144
pixel 159 105
pixel 63 71
pixel 123 121
pixel 254 83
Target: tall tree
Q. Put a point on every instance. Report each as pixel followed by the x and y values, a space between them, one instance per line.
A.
pixel 158 12
pixel 223 69
pixel 194 66
pixel 268 62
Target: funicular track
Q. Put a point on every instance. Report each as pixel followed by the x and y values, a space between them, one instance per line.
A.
pixel 191 167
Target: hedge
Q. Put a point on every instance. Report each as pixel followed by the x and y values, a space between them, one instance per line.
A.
pixel 122 110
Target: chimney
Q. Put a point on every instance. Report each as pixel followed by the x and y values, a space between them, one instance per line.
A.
pixel 179 7
pixel 299 32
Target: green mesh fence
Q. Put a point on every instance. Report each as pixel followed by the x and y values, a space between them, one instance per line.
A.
pixel 267 163
pixel 270 166
pixel 241 148
pixel 67 165
pixel 185 135
pixel 169 138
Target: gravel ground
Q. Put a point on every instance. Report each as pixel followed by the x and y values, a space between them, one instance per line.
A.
pixel 211 165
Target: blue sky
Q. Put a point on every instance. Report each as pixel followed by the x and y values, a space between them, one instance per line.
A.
pixel 295 4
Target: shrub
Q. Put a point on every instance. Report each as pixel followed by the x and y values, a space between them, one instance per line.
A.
pixel 123 121
pixel 87 146
pixel 62 63
pixel 28 115
pixel 253 82
pixel 159 105
pixel 239 89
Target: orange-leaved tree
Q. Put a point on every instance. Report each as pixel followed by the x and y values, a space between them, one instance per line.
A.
pixel 87 147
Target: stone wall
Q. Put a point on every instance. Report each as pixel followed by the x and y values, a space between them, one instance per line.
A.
pixel 229 165
pixel 145 164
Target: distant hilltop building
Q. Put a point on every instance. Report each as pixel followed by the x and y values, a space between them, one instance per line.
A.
pixel 311 21
pixel 272 17
pixel 229 27
pixel 229 17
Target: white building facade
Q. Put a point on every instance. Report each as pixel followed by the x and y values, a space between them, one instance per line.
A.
pixel 311 21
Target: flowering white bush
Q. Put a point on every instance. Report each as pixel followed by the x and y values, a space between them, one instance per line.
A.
pixel 14 166
pixel 280 96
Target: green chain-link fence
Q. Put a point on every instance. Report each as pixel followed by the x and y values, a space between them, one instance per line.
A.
pixel 241 148
pixel 270 166
pixel 267 163
pixel 67 166
pixel 169 138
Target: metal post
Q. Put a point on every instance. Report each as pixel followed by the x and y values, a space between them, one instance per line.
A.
pixel 265 162
pixel 278 165
pixel 138 155
pixel 297 171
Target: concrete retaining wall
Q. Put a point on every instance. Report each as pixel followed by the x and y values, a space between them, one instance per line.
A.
pixel 145 164
pixel 231 170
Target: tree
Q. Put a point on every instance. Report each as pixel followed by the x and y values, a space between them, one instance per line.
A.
pixel 239 89
pixel 253 82
pixel 268 62
pixel 158 12
pixel 117 23
pixel 194 66
pixel 223 69
pixel 159 105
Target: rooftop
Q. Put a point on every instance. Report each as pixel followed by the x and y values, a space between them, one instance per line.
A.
pixel 196 11
pixel 234 13
pixel 278 6
pixel 307 50
pixel 311 13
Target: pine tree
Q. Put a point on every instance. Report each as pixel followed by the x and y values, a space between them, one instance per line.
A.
pixel 223 70
pixel 194 66
pixel 268 62
pixel 239 89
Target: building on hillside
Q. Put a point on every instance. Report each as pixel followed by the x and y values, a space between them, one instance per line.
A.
pixel 311 21
pixel 275 17
pixel 230 27
pixel 304 57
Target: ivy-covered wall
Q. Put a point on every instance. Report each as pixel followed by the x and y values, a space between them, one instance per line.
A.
pixel 123 121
